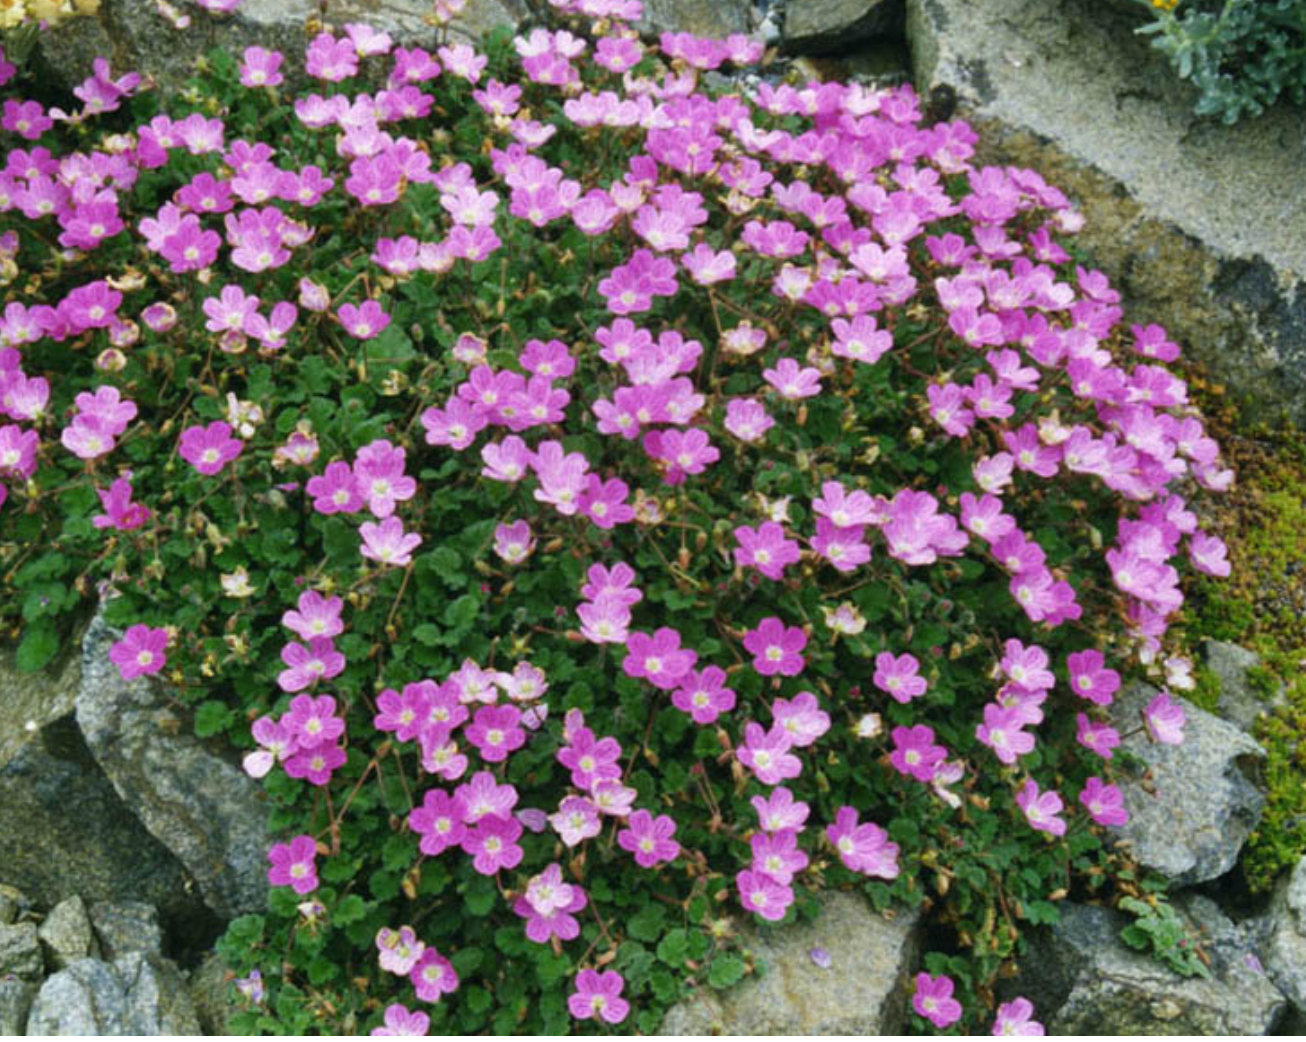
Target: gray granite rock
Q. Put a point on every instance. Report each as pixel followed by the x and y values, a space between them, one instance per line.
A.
pixel 717 18
pixel 1082 979
pixel 137 994
pixel 64 829
pixel 126 926
pixel 137 36
pixel 206 811
pixel 1197 223
pixel 1193 806
pixel 837 26
pixel 211 991
pixel 12 901
pixel 20 951
pixel 863 990
pixel 1242 702
pixel 1284 939
pixel 66 934
pixel 15 1000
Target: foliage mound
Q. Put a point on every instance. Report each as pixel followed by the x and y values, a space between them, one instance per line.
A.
pixel 603 499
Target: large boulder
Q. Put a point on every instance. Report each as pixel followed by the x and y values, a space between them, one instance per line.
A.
pixel 126 926
pixel 1200 224
pixel 136 994
pixel 205 810
pixel 20 952
pixel 847 973
pixel 1083 980
pixel 66 934
pixel 135 34
pixel 835 26
pixel 1283 942
pixel 15 1000
pixel 1242 700
pixel 717 18
pixel 1192 806
pixel 64 829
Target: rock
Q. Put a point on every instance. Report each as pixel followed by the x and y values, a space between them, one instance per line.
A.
pixel 1083 979
pixel 825 26
pixel 12 901
pixel 137 36
pixel 1241 701
pixel 1193 808
pixel 1284 939
pixel 20 951
pixel 863 991
pixel 64 829
pixel 126 926
pixel 718 18
pixel 1192 220
pixel 137 994
pixel 66 934
pixel 211 992
pixel 206 811
pixel 15 1000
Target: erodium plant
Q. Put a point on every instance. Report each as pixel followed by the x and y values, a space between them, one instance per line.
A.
pixel 603 500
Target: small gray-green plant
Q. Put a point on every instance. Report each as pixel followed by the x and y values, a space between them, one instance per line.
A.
pixel 1159 929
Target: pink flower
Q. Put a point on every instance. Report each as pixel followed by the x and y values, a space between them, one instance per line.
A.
pixel 335 491
pixel 317 616
pixel 1207 552
pixel 933 1000
pixel 438 821
pixel 590 761
pixel 576 820
pixel 1165 718
pixel 649 838
pixel 293 864
pixel 387 542
pixel 703 695
pixel 1105 803
pixel 767 755
pixel 379 477
pixel 260 67
pixel 400 1020
pixel 1015 1017
pixel 307 665
pixel 1041 808
pixel 780 811
pixel 765 548
pixel 863 848
pixel 496 732
pixel 802 717
pixel 793 381
pixel 1001 732
pixel 759 893
pixel 140 652
pixel 777 855
pixel 1027 667
pixel 747 419
pixel 1089 677
pixel 914 752
pixel 492 844
pixel 659 659
pixel 897 677
pixel 209 449
pixel 311 721
pixel 119 510
pixel 599 994
pixel 549 906
pixel 1101 738
pixel 398 950
pixel 433 976
pixel 513 542
pixel 364 322
pixel 317 764
pixel 776 648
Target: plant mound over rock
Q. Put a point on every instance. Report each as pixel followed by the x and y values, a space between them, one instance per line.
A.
pixel 607 501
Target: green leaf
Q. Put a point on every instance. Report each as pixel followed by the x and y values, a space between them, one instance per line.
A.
pixel 349 910
pixel 673 948
pixel 725 971
pixel 427 633
pixel 212 717
pixel 646 924
pixel 39 646
pixel 479 897
pixel 462 611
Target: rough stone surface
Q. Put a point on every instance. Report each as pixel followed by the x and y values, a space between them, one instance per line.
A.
pixel 137 994
pixel 210 991
pixel 1195 221
pixel 824 26
pixel 717 18
pixel 12 901
pixel 1241 702
pixel 1193 808
pixel 126 926
pixel 64 829
pixel 864 990
pixel 15 1000
pixel 206 811
pixel 1084 980
pixel 20 951
pixel 135 35
pixel 1284 939
pixel 66 934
